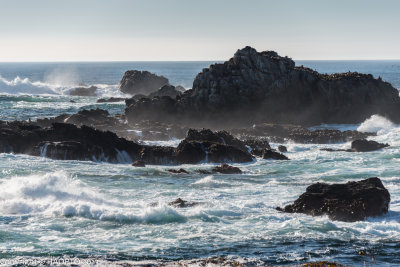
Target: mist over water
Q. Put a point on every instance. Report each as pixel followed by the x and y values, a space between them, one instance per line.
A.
pixel 50 207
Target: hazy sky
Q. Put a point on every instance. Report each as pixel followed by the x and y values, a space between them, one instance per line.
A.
pixel 91 30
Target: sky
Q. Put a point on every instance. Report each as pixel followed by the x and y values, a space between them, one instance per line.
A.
pixel 158 30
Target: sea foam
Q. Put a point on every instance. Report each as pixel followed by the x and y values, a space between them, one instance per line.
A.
pixel 24 86
pixel 376 124
pixel 58 194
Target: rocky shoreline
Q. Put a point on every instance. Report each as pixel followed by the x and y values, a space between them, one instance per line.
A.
pixel 245 103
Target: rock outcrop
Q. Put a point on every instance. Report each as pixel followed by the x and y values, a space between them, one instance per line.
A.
pixel 227 169
pixel 363 145
pixel 271 154
pixel 141 82
pixel 84 91
pixel 257 87
pixel 66 142
pixel 359 145
pixel 353 201
pixel 69 142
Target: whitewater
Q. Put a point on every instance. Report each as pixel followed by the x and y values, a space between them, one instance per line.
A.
pixel 115 212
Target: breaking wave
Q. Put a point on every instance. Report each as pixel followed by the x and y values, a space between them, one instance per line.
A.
pixel 57 194
pixel 24 86
pixel 376 124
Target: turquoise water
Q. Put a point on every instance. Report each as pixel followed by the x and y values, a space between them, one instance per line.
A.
pixel 93 209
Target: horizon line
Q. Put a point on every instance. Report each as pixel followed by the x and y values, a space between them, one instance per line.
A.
pixel 203 60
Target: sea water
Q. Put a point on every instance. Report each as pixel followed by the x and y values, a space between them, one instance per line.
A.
pixel 52 208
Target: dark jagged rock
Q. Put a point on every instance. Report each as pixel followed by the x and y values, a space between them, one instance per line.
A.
pixel 84 91
pixel 153 109
pixel 141 82
pixel 227 169
pixel 110 100
pixel 178 171
pixel 180 203
pixel 282 148
pixel 298 134
pixel 360 145
pixel 209 146
pixel 139 163
pixel 353 201
pixel 158 155
pixel 364 145
pixel 255 87
pixel 270 154
pixel 66 142
pixel 166 90
pixel 222 137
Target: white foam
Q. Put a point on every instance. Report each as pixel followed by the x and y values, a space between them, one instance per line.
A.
pixel 376 124
pixel 57 194
pixel 24 86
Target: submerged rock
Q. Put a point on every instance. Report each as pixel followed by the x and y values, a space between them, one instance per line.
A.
pixel 141 82
pixel 84 91
pixel 364 145
pixel 178 171
pixel 360 145
pixel 353 201
pixel 180 203
pixel 227 169
pixel 110 100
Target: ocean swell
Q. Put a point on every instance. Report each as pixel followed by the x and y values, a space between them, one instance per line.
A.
pixel 57 194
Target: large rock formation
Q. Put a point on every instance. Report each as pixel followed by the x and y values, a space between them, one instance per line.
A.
pixel 265 87
pixel 353 201
pixel 141 82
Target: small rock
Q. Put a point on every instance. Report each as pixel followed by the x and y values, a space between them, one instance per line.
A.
pixel 282 148
pixel 139 163
pixel 363 145
pixel 178 171
pixel 227 169
pixel 180 203
pixel 270 154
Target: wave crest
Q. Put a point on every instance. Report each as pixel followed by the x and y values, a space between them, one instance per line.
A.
pixel 57 194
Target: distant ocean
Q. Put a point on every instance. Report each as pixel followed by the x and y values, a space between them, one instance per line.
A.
pixel 95 210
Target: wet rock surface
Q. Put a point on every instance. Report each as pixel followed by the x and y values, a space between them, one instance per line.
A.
pixel 227 169
pixel 271 154
pixel 180 203
pixel 363 145
pixel 299 134
pixel 141 82
pixel 353 201
pixel 179 171
pixel 69 142
pixel 360 145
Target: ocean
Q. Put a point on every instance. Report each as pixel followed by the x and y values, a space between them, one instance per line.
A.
pixel 94 210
